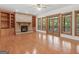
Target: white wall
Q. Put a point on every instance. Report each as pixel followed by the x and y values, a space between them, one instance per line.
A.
pixel 23 18
pixel 66 9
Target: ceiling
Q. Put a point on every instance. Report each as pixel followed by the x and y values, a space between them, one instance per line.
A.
pixel 29 8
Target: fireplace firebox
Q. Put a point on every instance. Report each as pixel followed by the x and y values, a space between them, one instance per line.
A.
pixel 24 28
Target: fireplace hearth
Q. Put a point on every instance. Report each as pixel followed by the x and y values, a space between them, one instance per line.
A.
pixel 24 28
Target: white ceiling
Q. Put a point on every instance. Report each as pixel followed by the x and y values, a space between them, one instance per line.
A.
pixel 29 8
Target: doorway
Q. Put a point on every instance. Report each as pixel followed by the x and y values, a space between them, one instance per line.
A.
pixel 53 25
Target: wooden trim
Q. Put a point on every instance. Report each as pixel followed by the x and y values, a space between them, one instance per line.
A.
pixel 41 23
pixel 0 25
pixel 0 20
pixel 53 26
pixel 10 20
pixel 46 24
pixel 75 24
pixel 14 23
pixel 59 23
pixel 71 24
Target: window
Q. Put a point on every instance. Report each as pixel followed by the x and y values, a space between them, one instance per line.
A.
pixel 66 23
pixel 39 23
pixel 50 24
pixel 55 24
pixel 44 23
pixel 77 23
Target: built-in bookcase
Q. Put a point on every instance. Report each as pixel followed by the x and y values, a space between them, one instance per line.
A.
pixel 12 20
pixel 7 23
pixel 4 20
pixel 34 23
pixel 7 20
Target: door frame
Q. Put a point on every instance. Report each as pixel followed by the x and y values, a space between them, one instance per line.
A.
pixel 57 33
pixel 53 33
pixel 47 30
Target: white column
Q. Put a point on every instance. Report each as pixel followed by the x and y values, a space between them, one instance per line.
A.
pixel 73 23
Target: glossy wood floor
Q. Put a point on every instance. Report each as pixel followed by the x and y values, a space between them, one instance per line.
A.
pixel 38 43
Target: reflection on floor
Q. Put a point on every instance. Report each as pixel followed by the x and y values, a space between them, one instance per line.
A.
pixel 36 43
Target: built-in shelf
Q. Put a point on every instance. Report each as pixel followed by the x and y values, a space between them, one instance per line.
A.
pixel 7 23
pixel 34 23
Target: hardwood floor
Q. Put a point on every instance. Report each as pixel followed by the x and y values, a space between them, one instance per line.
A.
pixel 38 43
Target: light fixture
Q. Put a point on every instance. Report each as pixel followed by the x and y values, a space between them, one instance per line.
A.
pixel 39 9
pixel 40 6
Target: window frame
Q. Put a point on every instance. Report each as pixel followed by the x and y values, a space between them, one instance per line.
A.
pixel 58 32
pixel 76 14
pixel 48 24
pixel 38 23
pixel 53 32
pixel 45 23
pixel 63 18
pixel 57 22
